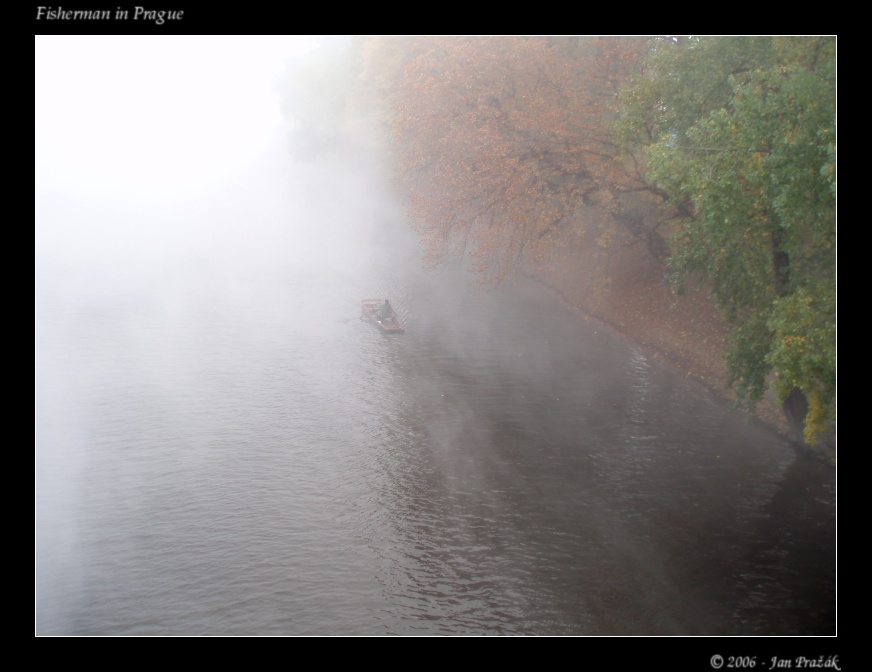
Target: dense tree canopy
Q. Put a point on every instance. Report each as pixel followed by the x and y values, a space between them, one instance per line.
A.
pixel 505 144
pixel 741 132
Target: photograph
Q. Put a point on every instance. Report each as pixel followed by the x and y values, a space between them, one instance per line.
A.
pixel 435 336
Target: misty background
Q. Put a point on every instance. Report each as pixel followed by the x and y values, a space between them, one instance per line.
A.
pixel 223 447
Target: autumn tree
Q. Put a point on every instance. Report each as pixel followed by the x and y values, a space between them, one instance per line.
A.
pixel 741 133
pixel 505 145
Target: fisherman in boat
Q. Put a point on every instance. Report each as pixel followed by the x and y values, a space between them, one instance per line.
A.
pixel 385 311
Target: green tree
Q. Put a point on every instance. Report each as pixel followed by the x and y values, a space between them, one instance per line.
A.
pixel 741 133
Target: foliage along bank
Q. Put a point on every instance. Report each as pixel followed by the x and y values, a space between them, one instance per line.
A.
pixel 716 155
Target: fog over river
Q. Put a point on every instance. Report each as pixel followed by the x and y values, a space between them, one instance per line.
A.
pixel 223 447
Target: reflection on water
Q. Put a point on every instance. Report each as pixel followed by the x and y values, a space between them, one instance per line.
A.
pixel 233 452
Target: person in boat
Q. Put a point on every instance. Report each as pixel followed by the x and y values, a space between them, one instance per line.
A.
pixel 385 312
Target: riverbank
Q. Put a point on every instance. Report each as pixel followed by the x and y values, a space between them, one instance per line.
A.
pixel 687 332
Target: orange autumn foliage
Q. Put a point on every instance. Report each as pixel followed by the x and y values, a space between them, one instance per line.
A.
pixel 504 146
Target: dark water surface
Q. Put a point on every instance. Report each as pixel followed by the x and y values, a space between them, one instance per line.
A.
pixel 223 448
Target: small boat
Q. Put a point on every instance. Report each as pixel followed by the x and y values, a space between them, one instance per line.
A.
pixel 390 325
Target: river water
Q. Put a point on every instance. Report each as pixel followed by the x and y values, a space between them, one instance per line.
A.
pixel 224 448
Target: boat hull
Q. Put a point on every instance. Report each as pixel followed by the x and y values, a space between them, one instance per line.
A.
pixel 392 325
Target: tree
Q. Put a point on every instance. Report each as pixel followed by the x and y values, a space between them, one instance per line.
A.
pixel 741 133
pixel 505 146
